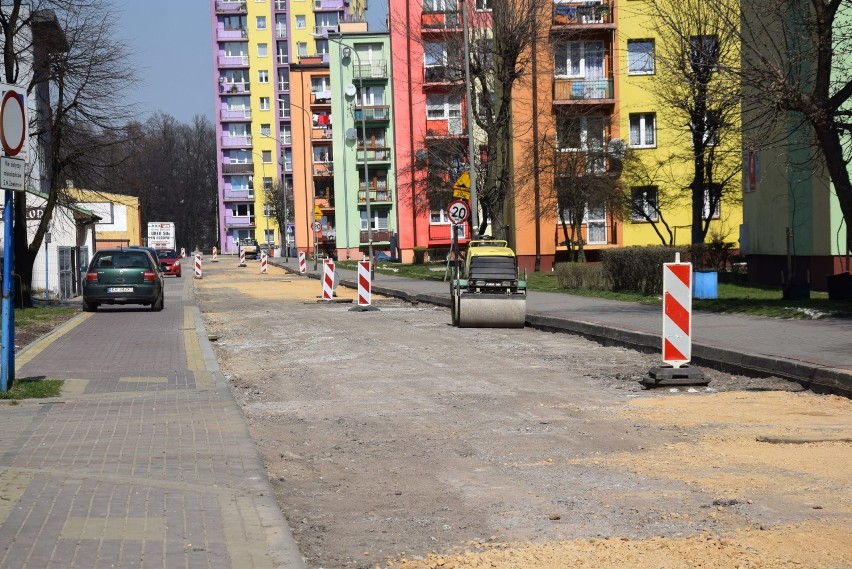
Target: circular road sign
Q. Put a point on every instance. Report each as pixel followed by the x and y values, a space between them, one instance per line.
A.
pixel 457 211
pixel 12 123
pixel 317 226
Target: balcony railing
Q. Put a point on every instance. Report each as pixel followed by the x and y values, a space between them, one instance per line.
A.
pixel 237 167
pixel 321 98
pixel 233 60
pixel 374 154
pixel 582 89
pixel 282 59
pixel 239 221
pixel 232 141
pixel 442 74
pixel 239 194
pixel 322 133
pixel 323 170
pixel 439 128
pixel 231 34
pixel 224 7
pixel 371 70
pixel 234 88
pixel 325 30
pixel 444 232
pixel 378 195
pixel 379 236
pixel 582 14
pixel 372 113
pixel 280 33
pixel 328 5
pixel 440 20
pixel 235 114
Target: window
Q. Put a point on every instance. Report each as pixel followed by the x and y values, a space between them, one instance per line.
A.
pixel 267 181
pixel 710 128
pixel 262 50
pixel 435 5
pixel 643 127
pixel 580 133
pixel 302 48
pixel 434 54
pixel 269 235
pixel 301 23
pixel 579 59
pixel 443 106
pixel 261 22
pixel 595 219
pixel 379 222
pixel 483 5
pixel 320 84
pixel 640 57
pixel 714 194
pixel 265 130
pixel 643 203
pixel 267 156
pixel 264 103
pixel 263 76
pixel 704 53
pixel 242 210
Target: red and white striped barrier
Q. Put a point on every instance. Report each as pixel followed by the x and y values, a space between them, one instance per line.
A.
pixel 214 259
pixel 182 252
pixel 198 273
pixel 365 283
pixel 263 262
pixel 242 258
pixel 328 280
pixel 303 265
pixel 677 313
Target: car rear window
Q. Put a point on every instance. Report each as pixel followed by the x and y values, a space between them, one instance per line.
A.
pixel 123 260
pixel 166 254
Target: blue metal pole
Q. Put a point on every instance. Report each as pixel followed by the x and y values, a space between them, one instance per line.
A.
pixel 7 373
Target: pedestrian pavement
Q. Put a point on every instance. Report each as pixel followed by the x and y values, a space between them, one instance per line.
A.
pixel 815 353
pixel 144 461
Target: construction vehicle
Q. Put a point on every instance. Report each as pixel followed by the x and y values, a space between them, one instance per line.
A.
pixel 487 291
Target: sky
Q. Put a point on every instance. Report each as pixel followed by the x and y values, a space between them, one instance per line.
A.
pixel 170 45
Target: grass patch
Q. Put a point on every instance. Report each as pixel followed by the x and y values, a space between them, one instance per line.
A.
pixel 40 315
pixel 33 389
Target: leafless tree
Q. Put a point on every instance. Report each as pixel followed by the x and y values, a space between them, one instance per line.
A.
pixel 699 93
pixel 80 74
pixel 795 58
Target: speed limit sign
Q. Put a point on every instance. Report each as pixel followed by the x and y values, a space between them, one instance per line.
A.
pixel 457 211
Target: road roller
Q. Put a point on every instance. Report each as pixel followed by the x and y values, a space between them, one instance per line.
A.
pixel 486 290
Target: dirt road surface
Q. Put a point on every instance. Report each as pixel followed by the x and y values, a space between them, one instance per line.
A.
pixel 394 440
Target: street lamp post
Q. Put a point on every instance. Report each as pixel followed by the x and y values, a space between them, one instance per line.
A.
pixel 348 52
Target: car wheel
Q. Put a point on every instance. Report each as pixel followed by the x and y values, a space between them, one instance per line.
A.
pixel 158 304
pixel 89 306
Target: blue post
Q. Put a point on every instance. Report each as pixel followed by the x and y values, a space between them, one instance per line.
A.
pixel 7 373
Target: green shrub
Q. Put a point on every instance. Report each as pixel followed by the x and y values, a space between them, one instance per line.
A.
pixel 581 276
pixel 420 255
pixel 637 269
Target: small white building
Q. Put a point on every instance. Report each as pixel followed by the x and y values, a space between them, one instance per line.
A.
pixel 65 251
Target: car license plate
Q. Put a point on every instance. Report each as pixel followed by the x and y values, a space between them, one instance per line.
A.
pixel 120 289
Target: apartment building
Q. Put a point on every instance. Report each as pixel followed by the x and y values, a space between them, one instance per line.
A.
pixel 256 42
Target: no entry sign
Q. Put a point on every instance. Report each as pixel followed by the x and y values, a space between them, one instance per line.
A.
pixel 13 120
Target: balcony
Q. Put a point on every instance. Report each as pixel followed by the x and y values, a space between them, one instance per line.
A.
pixel 239 194
pixel 371 70
pixel 224 7
pixel 440 21
pixel 328 5
pixel 239 221
pixel 374 154
pixel 372 113
pixel 323 170
pixel 231 168
pixel 235 114
pixel 444 232
pixel 321 98
pixel 594 91
pixel 377 195
pixel 323 31
pixel 322 133
pixel 442 74
pixel 583 15
pixel 233 61
pixel 230 34
pixel 231 141
pixel 379 236
pixel 226 88
pixel 443 128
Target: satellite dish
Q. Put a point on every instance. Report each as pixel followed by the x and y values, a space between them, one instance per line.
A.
pixel 351 134
pixel 350 90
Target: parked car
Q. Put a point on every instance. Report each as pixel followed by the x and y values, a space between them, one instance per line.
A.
pixel 150 250
pixel 123 276
pixel 169 262
pixel 250 247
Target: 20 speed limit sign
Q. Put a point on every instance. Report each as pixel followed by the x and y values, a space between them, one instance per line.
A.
pixel 457 211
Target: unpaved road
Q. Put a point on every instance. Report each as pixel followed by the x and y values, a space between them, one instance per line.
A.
pixel 395 440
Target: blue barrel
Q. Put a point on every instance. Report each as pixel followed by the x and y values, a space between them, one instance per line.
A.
pixel 705 284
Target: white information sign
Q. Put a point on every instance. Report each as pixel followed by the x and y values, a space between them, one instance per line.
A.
pixel 12 172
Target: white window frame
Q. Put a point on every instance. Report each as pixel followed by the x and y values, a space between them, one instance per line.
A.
pixel 264 103
pixel 302 48
pixel 266 156
pixel 262 76
pixel 483 5
pixel 266 129
pixel 565 48
pixel 380 221
pixel 263 50
pixel 586 123
pixel 260 22
pixel 449 106
pixel 301 22
pixel 717 213
pixel 646 59
pixel 647 137
pixel 596 223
